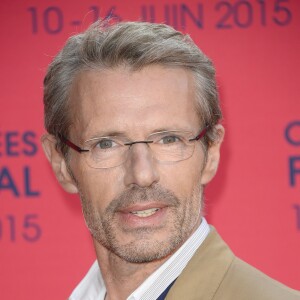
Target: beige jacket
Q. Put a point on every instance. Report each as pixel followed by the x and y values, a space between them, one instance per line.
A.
pixel 214 273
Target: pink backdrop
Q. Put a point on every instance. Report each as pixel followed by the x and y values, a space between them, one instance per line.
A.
pixel 254 202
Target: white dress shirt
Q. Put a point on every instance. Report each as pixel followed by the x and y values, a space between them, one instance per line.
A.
pixel 92 286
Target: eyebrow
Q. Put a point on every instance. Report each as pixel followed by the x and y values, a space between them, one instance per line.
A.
pixel 106 133
pixel 162 129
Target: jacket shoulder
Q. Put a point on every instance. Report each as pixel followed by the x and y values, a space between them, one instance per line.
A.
pixel 215 273
pixel 243 281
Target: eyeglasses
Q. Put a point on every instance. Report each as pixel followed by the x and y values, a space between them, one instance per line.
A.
pixel 112 151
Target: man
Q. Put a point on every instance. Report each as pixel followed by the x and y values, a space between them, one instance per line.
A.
pixel 132 115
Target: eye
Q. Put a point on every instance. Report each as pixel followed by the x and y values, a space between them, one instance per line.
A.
pixel 170 139
pixel 105 144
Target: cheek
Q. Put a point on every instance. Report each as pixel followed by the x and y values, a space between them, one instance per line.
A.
pixel 182 178
pixel 98 186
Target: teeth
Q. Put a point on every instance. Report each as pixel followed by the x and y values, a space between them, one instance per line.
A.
pixel 145 213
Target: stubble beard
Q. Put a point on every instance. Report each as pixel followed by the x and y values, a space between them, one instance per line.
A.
pixel 144 247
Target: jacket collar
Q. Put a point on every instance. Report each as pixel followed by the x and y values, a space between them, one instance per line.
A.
pixel 205 271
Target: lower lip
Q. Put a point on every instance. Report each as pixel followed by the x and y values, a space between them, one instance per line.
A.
pixel 133 221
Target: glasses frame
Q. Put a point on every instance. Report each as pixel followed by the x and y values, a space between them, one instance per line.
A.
pixel 80 150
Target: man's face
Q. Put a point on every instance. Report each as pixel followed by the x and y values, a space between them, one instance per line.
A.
pixel 143 209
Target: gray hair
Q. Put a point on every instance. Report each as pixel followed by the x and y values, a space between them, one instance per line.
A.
pixel 136 45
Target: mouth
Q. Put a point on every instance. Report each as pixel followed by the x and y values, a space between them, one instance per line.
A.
pixel 145 213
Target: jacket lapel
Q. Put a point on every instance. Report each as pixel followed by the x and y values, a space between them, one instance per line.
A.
pixel 205 271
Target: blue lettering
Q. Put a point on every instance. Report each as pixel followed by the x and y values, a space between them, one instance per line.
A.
pixel 294 170
pixel 198 21
pixel 151 18
pixel 293 139
pixel 297 208
pixel 6 182
pixel 28 139
pixel 11 144
pixel 28 190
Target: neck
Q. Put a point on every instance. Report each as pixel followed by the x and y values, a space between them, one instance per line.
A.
pixel 121 278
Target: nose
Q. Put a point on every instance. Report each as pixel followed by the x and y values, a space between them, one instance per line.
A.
pixel 140 166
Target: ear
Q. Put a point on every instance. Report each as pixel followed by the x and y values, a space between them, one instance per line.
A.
pixel 213 156
pixel 58 164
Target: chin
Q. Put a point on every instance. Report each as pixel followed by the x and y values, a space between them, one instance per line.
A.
pixel 144 253
pixel 145 250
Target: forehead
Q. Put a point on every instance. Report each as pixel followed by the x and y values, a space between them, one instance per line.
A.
pixel 133 102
